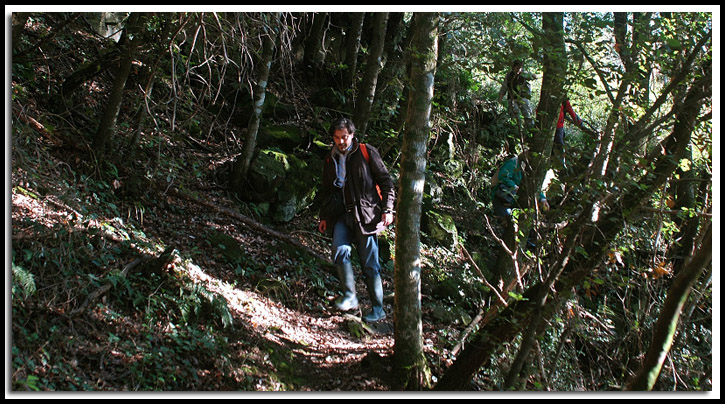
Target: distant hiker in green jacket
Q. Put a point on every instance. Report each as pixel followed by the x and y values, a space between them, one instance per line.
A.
pixel 506 184
pixel 358 197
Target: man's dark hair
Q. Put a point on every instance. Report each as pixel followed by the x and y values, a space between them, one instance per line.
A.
pixel 342 123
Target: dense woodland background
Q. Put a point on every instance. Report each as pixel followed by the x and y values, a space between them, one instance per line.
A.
pixel 164 177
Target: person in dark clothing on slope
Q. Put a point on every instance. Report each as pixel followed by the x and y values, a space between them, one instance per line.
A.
pixel 516 86
pixel 358 197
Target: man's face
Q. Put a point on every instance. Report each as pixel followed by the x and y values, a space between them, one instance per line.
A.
pixel 342 138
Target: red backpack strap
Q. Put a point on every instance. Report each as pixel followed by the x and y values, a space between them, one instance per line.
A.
pixel 364 150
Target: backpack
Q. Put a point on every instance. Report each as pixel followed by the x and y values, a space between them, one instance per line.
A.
pixel 494 178
pixel 364 151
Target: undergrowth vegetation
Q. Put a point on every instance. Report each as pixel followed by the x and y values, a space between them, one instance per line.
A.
pixel 118 283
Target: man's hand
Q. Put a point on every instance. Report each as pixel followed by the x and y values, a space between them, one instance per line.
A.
pixel 387 219
pixel 322 227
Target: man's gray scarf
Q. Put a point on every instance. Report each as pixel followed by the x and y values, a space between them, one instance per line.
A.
pixel 339 158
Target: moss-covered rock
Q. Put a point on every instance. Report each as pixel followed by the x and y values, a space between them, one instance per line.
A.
pixel 441 229
pixel 287 182
pixel 267 173
pixel 285 137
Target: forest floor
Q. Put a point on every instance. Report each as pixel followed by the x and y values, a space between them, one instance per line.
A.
pixel 76 222
pixel 286 333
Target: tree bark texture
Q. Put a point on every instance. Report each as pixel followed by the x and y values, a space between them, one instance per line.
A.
pixel 411 368
pixel 352 46
pixel 264 64
pixel 374 64
pixel 107 126
pixel 540 144
pixel 314 56
pixel 527 343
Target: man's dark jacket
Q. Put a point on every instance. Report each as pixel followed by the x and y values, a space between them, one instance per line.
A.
pixel 361 198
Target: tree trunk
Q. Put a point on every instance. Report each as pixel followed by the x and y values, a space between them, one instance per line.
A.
pixel 666 326
pixel 390 79
pixel 394 76
pixel 687 196
pixel 314 56
pixel 642 33
pixel 527 343
pixel 366 95
pixel 404 72
pixel 507 267
pixel 144 105
pixel 87 71
pixel 241 166
pixel 352 46
pixel 620 36
pixel 18 21
pixel 411 369
pixel 107 126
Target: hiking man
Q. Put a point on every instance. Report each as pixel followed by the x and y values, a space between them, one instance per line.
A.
pixel 358 197
pixel 516 85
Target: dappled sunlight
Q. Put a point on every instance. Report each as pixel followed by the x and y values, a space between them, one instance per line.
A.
pixel 174 202
pixel 312 335
pixel 317 341
pixel 27 207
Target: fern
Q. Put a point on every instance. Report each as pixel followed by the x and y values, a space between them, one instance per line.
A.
pixel 221 308
pixel 23 281
pixel 192 305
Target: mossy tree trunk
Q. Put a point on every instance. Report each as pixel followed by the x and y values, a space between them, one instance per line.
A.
pixel 411 368
pixel 129 44
pixel 352 46
pixel 366 95
pixel 264 63
pixel 314 56
pixel 510 268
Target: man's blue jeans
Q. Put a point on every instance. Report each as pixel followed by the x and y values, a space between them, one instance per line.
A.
pixel 367 248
